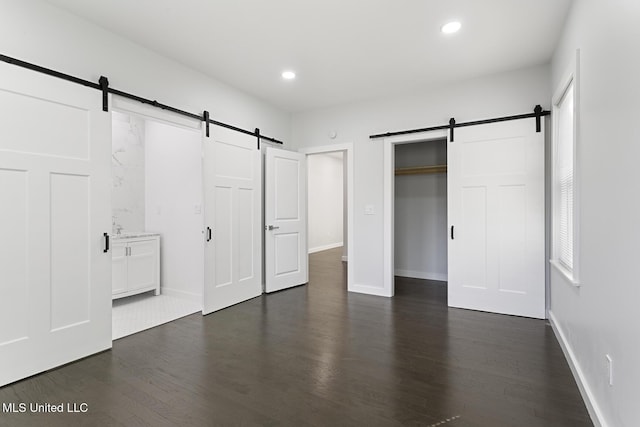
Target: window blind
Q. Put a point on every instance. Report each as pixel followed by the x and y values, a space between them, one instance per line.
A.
pixel 564 181
pixel 565 229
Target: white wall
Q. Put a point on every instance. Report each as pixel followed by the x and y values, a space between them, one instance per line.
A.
pixel 37 32
pixel 421 213
pixel 325 195
pixel 497 95
pixel 174 206
pixel 127 167
pixel 601 316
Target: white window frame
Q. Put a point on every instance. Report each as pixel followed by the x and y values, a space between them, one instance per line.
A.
pixel 569 81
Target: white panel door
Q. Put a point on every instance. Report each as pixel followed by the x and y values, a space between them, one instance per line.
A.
pixel 286 254
pixel 55 189
pixel 496 209
pixel 233 216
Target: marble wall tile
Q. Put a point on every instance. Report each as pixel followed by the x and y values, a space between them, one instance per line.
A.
pixel 128 173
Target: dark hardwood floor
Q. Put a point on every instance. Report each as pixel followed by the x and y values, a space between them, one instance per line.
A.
pixel 315 355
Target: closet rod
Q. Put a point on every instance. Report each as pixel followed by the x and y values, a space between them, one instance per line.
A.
pixel 103 86
pixel 538 112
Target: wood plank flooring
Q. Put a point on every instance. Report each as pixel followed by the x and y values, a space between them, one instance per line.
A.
pixel 317 356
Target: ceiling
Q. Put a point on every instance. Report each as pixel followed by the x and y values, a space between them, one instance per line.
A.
pixel 341 50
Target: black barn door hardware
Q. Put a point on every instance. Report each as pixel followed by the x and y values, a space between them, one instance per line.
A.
pixel 452 125
pixel 258 136
pixel 103 86
pixel 205 119
pixel 208 234
pixel 106 243
pixel 452 232
pixel 538 113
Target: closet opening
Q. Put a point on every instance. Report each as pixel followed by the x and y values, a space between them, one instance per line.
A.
pixel 420 212
pixel 157 222
pixel 422 180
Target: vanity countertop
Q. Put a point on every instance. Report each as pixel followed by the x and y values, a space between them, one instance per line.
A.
pixel 134 235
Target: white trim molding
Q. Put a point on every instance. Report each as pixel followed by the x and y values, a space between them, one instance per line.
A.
pixel 585 391
pixel 426 275
pixel 325 247
pixel 370 290
pixel 189 296
pixel 568 277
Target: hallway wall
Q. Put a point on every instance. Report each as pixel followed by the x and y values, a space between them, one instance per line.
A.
pixel 325 195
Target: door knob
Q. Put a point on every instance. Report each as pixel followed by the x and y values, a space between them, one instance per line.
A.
pixel 271 228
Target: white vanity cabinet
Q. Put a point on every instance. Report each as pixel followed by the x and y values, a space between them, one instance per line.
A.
pixel 135 264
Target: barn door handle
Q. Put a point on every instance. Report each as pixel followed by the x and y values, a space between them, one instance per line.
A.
pixel 452 232
pixel 106 242
pixel 208 234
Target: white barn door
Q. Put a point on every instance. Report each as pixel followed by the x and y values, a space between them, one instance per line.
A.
pixel 232 173
pixel 286 257
pixel 55 205
pixel 496 209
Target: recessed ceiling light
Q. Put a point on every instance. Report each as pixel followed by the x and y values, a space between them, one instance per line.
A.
pixel 451 27
pixel 288 75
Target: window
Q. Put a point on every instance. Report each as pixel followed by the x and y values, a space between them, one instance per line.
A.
pixel 564 183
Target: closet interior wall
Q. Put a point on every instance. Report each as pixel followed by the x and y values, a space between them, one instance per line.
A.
pixel 421 210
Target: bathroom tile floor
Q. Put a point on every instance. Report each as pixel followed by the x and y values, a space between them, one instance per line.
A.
pixel 140 312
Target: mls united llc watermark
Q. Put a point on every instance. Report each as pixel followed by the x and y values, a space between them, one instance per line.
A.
pixel 45 408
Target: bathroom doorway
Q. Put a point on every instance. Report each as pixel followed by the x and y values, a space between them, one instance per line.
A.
pixel 157 222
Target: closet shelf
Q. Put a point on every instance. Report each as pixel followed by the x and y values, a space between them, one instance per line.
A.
pixel 420 170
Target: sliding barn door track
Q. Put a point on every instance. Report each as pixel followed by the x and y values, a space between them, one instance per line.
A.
pixel 103 86
pixel 538 113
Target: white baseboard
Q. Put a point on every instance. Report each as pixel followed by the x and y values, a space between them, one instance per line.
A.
pixel 421 275
pixel 369 290
pixel 325 247
pixel 197 298
pixel 587 395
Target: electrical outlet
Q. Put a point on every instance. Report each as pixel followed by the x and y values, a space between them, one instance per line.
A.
pixel 197 209
pixel 609 368
pixel 369 210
